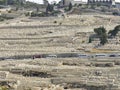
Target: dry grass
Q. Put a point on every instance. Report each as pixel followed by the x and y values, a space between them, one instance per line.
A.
pixel 100 51
pixel 31 41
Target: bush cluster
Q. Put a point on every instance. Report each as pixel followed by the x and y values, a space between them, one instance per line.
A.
pixel 101 32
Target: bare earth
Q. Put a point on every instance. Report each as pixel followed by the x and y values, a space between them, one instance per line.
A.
pixel 24 36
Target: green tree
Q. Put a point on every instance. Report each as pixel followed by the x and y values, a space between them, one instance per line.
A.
pixel 90 40
pixel 101 32
pixel 103 39
pixel 70 6
pixel 115 31
pixel 49 8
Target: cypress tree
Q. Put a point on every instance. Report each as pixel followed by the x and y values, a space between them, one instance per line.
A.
pixel 70 6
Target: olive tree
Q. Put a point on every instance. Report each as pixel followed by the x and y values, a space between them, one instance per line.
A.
pixel 115 31
pixel 101 32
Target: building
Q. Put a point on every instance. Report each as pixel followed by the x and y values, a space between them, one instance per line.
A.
pixel 10 2
pixel 67 2
pixel 77 2
pixel 73 2
pixel 101 2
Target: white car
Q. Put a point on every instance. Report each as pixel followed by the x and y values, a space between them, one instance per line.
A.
pixel 100 55
pixel 82 55
pixel 51 56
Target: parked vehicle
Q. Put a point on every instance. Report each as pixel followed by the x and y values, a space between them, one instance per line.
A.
pixel 100 55
pixel 36 56
pixel 82 55
pixel 112 55
pixel 51 56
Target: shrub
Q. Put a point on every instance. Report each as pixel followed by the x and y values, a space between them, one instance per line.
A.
pixel 55 13
pixel 9 11
pixel 33 14
pixel 90 40
pixel 83 41
pixel 103 39
pixel 27 14
pixel 55 21
pixel 60 23
pixel 66 9
pixel 115 31
pixel 79 5
pixel 101 32
pixel 1 19
pixel 115 13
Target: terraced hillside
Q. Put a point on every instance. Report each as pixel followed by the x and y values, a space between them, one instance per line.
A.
pixel 31 36
pixel 22 37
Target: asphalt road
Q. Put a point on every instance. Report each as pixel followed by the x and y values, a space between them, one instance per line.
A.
pixel 66 55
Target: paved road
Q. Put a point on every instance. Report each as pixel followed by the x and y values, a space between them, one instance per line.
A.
pixel 36 26
pixel 66 55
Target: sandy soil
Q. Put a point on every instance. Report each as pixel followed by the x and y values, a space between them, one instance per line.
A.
pixel 50 37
